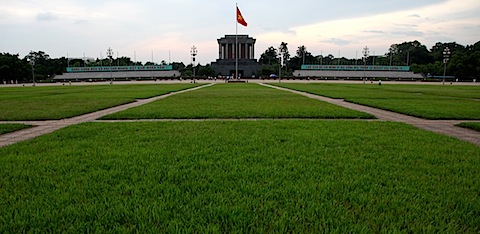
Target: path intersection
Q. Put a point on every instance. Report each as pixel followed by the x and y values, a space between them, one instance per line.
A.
pixel 444 127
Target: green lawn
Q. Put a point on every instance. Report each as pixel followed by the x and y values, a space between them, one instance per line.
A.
pixel 471 125
pixel 6 128
pixel 425 101
pixel 58 102
pixel 287 176
pixel 237 101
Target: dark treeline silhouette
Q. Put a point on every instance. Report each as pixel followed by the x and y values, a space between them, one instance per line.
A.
pixel 463 62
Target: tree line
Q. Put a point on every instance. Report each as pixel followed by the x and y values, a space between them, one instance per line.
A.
pixel 15 69
pixel 463 62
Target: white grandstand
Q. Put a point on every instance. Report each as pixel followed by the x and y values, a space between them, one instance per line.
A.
pixel 357 74
pixel 118 75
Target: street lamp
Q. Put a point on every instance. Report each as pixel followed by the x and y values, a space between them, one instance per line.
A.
pixel 446 57
pixel 321 57
pixel 366 52
pixel 390 51
pixel 110 54
pixel 280 54
pixel 32 62
pixel 193 52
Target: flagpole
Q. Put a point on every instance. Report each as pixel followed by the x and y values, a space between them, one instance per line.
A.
pixel 236 42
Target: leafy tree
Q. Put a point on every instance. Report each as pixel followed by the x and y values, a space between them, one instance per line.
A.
pixel 408 53
pixel 57 66
pixel 188 70
pixel 76 62
pixel 269 57
pixel 41 64
pixel 270 61
pixel 283 50
pixel 328 60
pixel 124 61
pixel 302 57
pixel 13 68
pixel 465 64
pixel 266 70
pixel 178 66
pixel 39 57
pixel 438 49
pixel 206 71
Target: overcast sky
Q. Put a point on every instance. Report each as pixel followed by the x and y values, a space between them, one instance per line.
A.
pixel 169 28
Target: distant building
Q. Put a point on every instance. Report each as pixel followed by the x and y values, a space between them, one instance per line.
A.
pixel 119 73
pixel 248 66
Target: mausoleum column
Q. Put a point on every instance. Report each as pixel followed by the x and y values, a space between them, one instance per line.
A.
pixel 222 51
pixel 246 51
pixel 227 54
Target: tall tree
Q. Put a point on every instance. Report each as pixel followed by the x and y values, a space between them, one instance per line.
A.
pixel 283 50
pixel 12 68
pixel 41 64
pixel 269 57
pixel 39 56
pixel 438 49
pixel 408 53
pixel 206 70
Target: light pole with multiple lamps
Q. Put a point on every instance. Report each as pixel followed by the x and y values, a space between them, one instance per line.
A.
pixel 366 52
pixel 193 52
pixel 390 52
pixel 280 54
pixel 446 57
pixel 110 54
pixel 32 62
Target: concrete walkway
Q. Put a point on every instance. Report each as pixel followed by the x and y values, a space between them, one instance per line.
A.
pixel 45 127
pixel 444 127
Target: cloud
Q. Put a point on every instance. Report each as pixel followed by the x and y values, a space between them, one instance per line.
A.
pixel 408 33
pixel 407 25
pixel 337 41
pixel 81 22
pixel 374 31
pixel 47 16
pixel 92 26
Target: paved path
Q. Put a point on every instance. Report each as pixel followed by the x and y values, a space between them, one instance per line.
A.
pixel 218 81
pixel 45 127
pixel 445 127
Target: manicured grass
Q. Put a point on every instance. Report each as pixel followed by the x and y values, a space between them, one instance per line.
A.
pixel 6 128
pixel 425 101
pixel 58 102
pixel 237 101
pixel 286 176
pixel 471 125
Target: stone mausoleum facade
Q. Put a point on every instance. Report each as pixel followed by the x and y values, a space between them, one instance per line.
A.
pixel 248 66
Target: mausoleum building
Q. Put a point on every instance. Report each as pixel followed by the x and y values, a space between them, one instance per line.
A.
pixel 248 66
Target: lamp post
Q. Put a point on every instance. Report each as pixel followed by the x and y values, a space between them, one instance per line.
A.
pixel 110 54
pixel 193 52
pixel 366 52
pixel 281 55
pixel 321 57
pixel 390 52
pixel 446 57
pixel 32 62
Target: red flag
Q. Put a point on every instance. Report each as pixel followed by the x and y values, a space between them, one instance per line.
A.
pixel 240 18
